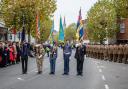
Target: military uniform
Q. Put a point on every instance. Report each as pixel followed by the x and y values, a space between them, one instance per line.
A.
pixel 125 51
pixel 120 53
pixel 40 52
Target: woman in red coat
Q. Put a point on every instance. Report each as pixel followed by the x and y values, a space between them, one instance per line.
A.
pixel 11 52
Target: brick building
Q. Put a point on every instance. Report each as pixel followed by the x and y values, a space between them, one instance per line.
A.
pixel 122 35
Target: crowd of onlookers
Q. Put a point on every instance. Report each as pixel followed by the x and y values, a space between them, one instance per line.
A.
pixel 10 53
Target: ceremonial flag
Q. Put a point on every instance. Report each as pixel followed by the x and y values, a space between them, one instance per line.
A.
pixel 14 31
pixel 23 34
pixel 64 24
pixel 51 33
pixel 79 19
pixel 37 26
pixel 80 30
pixel 61 31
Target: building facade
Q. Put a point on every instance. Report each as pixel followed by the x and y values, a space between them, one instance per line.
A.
pixel 122 35
pixel 3 32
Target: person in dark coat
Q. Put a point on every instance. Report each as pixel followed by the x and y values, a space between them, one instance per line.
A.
pixel 1 55
pixel 18 52
pixel 53 57
pixel 24 57
pixel 5 55
pixel 67 51
pixel 79 55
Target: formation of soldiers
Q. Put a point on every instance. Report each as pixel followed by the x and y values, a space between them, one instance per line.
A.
pixel 115 53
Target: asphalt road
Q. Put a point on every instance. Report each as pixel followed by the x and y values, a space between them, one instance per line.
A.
pixel 97 75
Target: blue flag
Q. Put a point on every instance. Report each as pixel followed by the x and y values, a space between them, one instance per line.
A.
pixel 61 31
pixel 23 34
pixel 81 32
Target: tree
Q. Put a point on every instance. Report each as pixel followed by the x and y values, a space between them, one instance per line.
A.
pixel 15 11
pixel 70 32
pixel 121 8
pixel 101 21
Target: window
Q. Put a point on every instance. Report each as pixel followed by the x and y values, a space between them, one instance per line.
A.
pixel 122 28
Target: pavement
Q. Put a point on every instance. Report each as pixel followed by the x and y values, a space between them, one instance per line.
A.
pixel 97 75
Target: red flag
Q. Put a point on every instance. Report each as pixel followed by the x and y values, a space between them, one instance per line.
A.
pixel 14 31
pixel 37 27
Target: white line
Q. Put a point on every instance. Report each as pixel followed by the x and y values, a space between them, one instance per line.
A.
pixel 20 79
pixel 100 70
pixel 103 77
pixel 106 86
pixel 32 70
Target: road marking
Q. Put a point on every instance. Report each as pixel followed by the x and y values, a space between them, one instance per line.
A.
pixel 106 86
pixel 33 70
pixel 20 79
pixel 100 70
pixel 103 77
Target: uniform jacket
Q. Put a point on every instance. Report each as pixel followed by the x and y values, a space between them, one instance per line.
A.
pixel 24 50
pixel 80 52
pixel 67 50
pixel 53 52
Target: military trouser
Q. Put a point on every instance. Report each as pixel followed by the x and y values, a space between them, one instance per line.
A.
pixel 110 57
pixel 105 56
pixel 39 62
pixel 125 60
pixel 115 56
pixel 120 57
pixel 101 56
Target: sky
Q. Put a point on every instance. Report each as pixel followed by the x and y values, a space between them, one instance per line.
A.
pixel 70 9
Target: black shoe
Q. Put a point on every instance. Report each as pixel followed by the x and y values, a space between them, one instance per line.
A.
pixel 81 74
pixel 51 73
pixel 24 73
pixel 40 72
pixel 65 74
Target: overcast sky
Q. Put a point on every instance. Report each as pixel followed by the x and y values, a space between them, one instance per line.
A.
pixel 70 9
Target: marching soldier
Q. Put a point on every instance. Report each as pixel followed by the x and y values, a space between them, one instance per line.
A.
pixel 125 51
pixel 40 52
pixel 110 52
pixel 116 53
pixel 120 53
pixel 105 52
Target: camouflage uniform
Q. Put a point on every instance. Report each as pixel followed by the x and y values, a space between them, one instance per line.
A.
pixel 125 51
pixel 105 54
pixel 120 53
pixel 40 52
